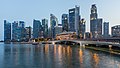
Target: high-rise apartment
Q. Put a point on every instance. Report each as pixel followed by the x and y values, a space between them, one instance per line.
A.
pixel 7 31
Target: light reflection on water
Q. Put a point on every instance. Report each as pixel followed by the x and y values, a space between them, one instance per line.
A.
pixel 54 56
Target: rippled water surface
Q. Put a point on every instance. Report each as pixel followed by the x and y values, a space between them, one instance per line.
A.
pixel 54 56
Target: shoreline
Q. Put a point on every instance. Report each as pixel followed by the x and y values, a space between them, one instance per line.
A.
pixel 113 51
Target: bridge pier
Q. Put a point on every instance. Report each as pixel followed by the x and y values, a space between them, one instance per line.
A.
pixel 83 45
pixel 110 47
pixel 80 44
pixel 53 43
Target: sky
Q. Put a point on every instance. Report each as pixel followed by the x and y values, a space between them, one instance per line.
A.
pixel 27 10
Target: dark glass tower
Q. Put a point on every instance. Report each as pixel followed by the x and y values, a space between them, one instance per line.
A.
pixel 106 29
pixel 45 27
pixel 7 31
pixel 37 27
pixel 14 30
pixel 95 23
pixel 74 20
pixel 65 22
pixel 53 23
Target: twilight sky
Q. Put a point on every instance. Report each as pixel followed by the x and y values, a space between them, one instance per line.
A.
pixel 27 10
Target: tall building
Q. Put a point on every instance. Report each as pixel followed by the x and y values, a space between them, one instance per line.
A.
pixel 14 30
pixel 82 28
pixel 106 29
pixel 93 14
pixel 115 31
pixel 95 23
pixel 21 31
pixel 45 27
pixel 49 32
pixel 58 29
pixel 37 27
pixel 28 33
pixel 65 22
pixel 99 27
pixel 53 23
pixel 74 18
pixel 7 31
pixel 18 31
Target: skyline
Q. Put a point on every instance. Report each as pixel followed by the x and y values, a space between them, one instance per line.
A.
pixel 27 11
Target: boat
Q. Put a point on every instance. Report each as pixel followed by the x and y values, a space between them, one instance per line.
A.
pixel 35 43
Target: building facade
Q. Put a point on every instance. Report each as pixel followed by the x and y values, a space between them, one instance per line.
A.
pixel 28 33
pixel 82 28
pixel 95 23
pixel 14 30
pixel 64 22
pixel 106 29
pixel 115 31
pixel 21 31
pixel 53 23
pixel 74 19
pixel 45 27
pixel 58 29
pixel 7 31
pixel 37 28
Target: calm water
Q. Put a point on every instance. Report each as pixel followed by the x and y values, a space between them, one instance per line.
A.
pixel 54 56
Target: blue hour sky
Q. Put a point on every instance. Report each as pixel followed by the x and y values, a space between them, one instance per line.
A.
pixel 27 10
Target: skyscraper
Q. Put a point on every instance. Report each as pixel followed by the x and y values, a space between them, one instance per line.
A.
pixel 95 23
pixel 18 31
pixel 74 18
pixel 14 30
pixel 7 31
pixel 58 29
pixel 28 33
pixel 106 29
pixel 53 23
pixel 37 27
pixel 93 14
pixel 99 27
pixel 82 28
pixel 65 22
pixel 45 27
pixel 21 31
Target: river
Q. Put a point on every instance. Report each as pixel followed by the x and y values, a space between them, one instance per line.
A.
pixel 54 56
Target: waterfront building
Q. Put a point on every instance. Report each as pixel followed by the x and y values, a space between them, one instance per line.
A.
pixel 66 36
pixel 115 31
pixel 49 32
pixel 18 31
pixel 28 33
pixel 21 31
pixel 64 22
pixel 87 35
pixel 106 30
pixel 37 28
pixel 99 27
pixel 95 23
pixel 14 30
pixel 53 23
pixel 82 28
pixel 45 27
pixel 58 29
pixel 74 19
pixel 7 31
